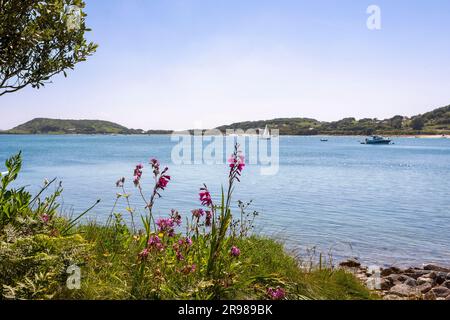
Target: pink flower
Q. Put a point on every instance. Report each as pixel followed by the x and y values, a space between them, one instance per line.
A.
pixel 176 217
pixel 155 242
pixel 120 182
pixel 208 218
pixel 144 253
pixel 205 198
pixel 137 174
pixel 237 161
pixel 276 294
pixel 155 163
pixel 165 224
pixel 179 256
pixel 163 181
pixel 235 251
pixel 198 213
pixel 45 218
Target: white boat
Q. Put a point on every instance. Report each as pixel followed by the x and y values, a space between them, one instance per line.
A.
pixel 266 134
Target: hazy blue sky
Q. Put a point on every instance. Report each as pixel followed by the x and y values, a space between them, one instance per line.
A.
pixel 176 64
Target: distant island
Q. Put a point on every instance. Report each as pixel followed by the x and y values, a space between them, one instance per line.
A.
pixel 436 122
pixel 58 126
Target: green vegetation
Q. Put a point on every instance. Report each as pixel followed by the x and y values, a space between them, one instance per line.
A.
pixel 216 258
pixel 40 39
pixel 434 122
pixel 57 126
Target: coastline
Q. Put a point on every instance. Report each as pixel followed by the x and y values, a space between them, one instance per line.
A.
pixel 428 282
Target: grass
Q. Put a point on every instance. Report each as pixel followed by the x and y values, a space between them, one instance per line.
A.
pixel 263 263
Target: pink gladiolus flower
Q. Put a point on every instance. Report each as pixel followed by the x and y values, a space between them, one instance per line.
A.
pixel 144 253
pixel 235 251
pixel 205 198
pixel 237 161
pixel 179 256
pixel 208 218
pixel 155 242
pixel 276 294
pixel 45 218
pixel 163 181
pixel 176 217
pixel 198 213
pixel 137 174
pixel 154 163
pixel 165 225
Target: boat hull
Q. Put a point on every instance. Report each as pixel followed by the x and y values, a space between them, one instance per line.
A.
pixel 379 142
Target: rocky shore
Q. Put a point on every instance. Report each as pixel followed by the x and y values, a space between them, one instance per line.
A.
pixel 429 282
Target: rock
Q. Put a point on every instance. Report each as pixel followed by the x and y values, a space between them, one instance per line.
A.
pixel 435 268
pixel 447 298
pixel 402 290
pixel 423 288
pixel 388 271
pixel 394 278
pixel 448 276
pixel 410 282
pixel 350 263
pixel 416 273
pixel 431 275
pixel 446 284
pixel 441 292
pixel 423 280
pixel 441 277
pixel 386 284
pixel 429 296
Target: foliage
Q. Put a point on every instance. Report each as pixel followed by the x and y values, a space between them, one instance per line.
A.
pixel 39 39
pixel 44 126
pixel 434 122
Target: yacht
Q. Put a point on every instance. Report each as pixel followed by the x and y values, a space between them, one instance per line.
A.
pixel 266 135
pixel 377 140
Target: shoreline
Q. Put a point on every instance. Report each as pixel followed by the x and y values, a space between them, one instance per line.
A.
pixel 429 282
pixel 409 136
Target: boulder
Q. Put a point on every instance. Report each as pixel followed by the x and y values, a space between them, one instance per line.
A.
pixel 422 280
pixel 402 290
pixel 441 277
pixel 350 263
pixel 416 273
pixel 447 298
pixel 423 288
pixel 391 270
pixel 410 282
pixel 446 284
pixel 386 284
pixel 441 292
pixel 394 278
pixel 433 267
pixel 429 295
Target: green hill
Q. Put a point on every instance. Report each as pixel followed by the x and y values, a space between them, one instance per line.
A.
pixel 56 126
pixel 434 122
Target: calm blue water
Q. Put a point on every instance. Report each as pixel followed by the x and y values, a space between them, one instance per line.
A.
pixel 383 204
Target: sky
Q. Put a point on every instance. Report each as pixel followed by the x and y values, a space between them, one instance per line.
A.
pixel 179 64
